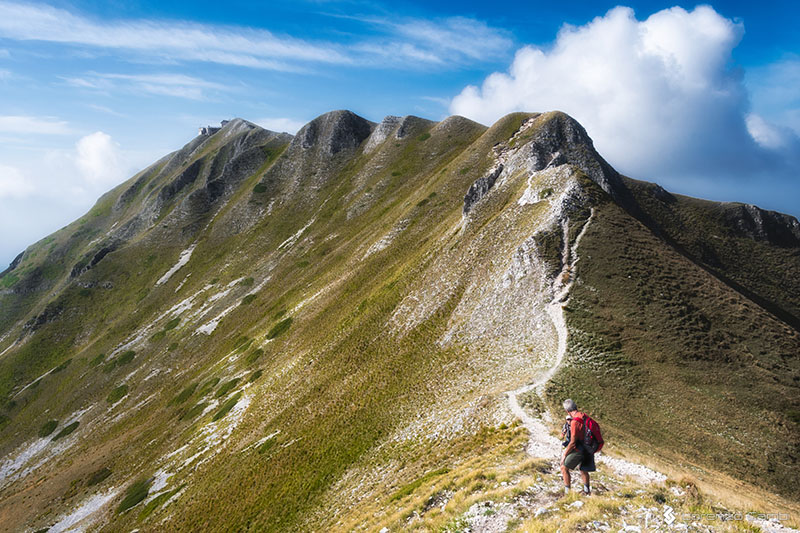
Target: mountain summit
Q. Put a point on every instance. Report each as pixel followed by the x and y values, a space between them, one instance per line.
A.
pixel 369 326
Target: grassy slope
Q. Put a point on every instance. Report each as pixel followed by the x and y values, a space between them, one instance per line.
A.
pixel 706 232
pixel 675 361
pixel 135 266
pixel 356 387
pixel 333 388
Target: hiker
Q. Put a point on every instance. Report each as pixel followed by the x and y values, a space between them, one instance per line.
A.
pixel 577 452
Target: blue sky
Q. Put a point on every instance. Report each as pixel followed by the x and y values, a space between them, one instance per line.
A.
pixel 702 99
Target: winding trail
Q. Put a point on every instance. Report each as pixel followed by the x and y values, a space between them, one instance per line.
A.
pixel 541 443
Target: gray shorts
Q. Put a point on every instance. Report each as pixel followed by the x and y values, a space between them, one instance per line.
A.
pixel 578 458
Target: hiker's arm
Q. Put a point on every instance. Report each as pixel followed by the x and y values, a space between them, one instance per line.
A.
pixel 573 439
pixel 573 443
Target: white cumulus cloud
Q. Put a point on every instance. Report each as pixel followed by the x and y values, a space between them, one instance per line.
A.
pixel 39 194
pixel 659 96
pixel 766 134
pixel 13 184
pixel 99 159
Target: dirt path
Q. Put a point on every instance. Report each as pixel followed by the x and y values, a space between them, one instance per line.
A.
pixel 542 444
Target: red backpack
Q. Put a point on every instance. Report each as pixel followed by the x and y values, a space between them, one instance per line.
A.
pixel 592 438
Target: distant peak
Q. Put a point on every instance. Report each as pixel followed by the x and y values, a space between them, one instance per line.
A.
pixel 333 132
pixel 763 225
pixel 399 126
pixel 234 125
pixel 211 130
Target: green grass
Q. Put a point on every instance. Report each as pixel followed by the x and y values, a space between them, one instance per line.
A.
pixel 424 137
pixel 117 394
pixel 48 427
pixel 172 324
pixel 242 341
pixel 151 506
pixel 226 388
pixel 255 375
pixel 66 430
pixel 243 347
pixel 247 300
pixel 192 412
pixel 414 485
pixel 98 476
pixel 134 495
pixel 184 395
pixel 99 358
pixel 280 328
pixel 208 386
pixel 226 407
pixel 62 366
pixel 9 280
pixel 123 359
pixel 253 356
pixel 267 445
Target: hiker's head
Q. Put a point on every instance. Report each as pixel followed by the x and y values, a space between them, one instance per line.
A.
pixel 569 406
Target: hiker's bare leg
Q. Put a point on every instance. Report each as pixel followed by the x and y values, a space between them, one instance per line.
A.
pixel 585 479
pixel 565 475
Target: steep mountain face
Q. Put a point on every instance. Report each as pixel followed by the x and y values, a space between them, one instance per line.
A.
pixel 272 333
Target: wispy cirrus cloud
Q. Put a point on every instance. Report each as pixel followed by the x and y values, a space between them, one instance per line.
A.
pixel 407 43
pixel 452 41
pixel 176 85
pixel 25 125
pixel 176 40
pixel 107 110
pixel 458 38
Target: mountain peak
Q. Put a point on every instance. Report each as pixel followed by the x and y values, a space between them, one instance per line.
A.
pixel 399 126
pixel 334 132
pixel 558 138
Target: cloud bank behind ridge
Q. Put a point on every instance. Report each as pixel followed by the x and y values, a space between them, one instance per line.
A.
pixel 659 97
